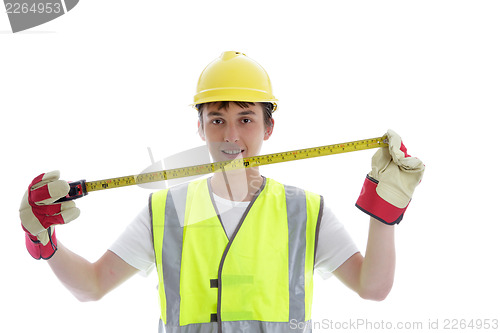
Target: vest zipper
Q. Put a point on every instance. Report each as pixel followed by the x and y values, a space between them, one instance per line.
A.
pixel 224 254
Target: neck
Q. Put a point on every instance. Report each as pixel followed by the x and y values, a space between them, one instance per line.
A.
pixel 237 185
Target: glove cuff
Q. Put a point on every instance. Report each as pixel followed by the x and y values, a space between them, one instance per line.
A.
pixel 372 204
pixel 39 251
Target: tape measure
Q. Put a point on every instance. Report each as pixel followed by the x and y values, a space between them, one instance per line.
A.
pixel 81 188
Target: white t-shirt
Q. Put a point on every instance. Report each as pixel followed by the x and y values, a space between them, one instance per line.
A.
pixel 135 244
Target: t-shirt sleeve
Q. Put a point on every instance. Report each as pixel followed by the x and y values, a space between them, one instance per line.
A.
pixel 334 246
pixel 135 244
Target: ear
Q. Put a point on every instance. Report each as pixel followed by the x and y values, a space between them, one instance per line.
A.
pixel 269 130
pixel 201 132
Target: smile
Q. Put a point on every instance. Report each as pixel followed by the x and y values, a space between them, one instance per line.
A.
pixel 232 151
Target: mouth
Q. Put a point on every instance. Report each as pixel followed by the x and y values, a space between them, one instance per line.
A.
pixel 224 151
pixel 232 152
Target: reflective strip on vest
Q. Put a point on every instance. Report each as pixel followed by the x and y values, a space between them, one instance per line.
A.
pixel 260 280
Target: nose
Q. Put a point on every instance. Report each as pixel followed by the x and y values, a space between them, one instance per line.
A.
pixel 231 133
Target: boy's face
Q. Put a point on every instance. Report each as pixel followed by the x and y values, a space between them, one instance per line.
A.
pixel 233 132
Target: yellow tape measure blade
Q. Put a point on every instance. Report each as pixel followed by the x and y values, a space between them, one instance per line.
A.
pixel 248 162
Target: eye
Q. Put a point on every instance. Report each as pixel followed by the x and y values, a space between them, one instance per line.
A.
pixel 217 121
pixel 246 120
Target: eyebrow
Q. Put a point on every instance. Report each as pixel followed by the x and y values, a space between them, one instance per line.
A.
pixel 242 113
pixel 214 114
pixel 246 112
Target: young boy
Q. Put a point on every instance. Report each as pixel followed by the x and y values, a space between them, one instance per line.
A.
pixel 234 252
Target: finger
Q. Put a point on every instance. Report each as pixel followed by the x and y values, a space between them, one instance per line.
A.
pixel 411 164
pixel 48 220
pixel 66 213
pixel 398 150
pixel 47 210
pixel 37 218
pixel 53 209
pixel 30 221
pixel 44 178
pixel 395 144
pixel 404 150
pixel 380 160
pixel 64 217
pixel 70 214
pixel 50 192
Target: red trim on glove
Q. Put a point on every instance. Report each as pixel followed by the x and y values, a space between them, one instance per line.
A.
pixel 46 214
pixel 39 251
pixel 404 150
pixel 372 204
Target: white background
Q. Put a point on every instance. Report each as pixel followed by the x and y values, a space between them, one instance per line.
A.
pixel 88 92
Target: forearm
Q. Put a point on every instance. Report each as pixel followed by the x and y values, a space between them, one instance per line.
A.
pixel 377 269
pixel 76 273
pixel 386 193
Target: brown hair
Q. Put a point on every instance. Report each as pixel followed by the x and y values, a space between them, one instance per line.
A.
pixel 267 108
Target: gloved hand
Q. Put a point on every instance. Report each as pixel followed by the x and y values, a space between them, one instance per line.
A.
pixel 39 213
pixel 389 187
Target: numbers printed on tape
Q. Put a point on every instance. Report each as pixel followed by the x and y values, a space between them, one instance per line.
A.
pixel 248 162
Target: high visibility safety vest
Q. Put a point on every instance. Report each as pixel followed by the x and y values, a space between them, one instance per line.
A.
pixel 259 280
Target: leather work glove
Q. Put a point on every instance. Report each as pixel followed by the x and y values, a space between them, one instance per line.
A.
pixel 389 186
pixel 39 213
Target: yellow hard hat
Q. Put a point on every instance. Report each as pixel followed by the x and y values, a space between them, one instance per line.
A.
pixel 234 77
